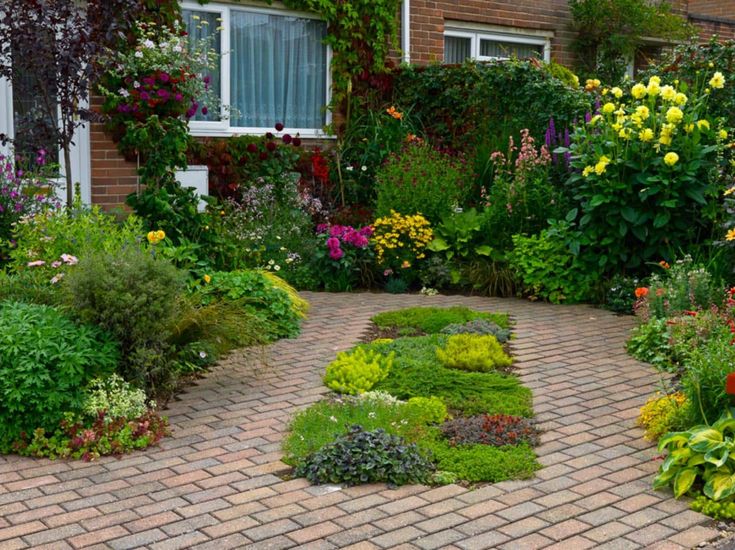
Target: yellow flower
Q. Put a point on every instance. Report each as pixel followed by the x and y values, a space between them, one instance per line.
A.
pixel 730 236
pixel 406 264
pixel 680 99
pixel 717 81
pixel 645 134
pixel 625 133
pixel 160 235
pixel 595 119
pixel 671 158
pixel 608 108
pixel 668 93
pixel 689 128
pixel 703 124
pixel 151 236
pixel 207 279
pixel 617 92
pixel 674 115
pixel 643 112
pixel 655 80
pixel 591 84
pixel 601 166
pixel 722 134
pixel 653 88
pixel 638 91
pixel 729 191
pixel 664 139
pixel 588 170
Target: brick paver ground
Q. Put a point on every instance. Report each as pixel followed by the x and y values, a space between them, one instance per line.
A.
pixel 215 483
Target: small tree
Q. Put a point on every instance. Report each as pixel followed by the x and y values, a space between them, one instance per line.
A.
pixel 48 51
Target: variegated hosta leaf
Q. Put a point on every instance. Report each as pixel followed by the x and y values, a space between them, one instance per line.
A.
pixel 673 438
pixel 705 440
pixel 718 456
pixel 684 480
pixel 720 485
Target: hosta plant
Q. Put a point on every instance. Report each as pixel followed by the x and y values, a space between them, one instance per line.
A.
pixel 701 454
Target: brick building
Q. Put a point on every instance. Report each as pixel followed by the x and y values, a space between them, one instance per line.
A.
pixel 276 66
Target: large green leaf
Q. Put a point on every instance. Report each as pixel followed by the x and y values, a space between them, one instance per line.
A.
pixel 438 245
pixel 724 424
pixel 720 485
pixel 677 438
pixel 684 480
pixel 484 250
pixel 718 456
pixel 705 439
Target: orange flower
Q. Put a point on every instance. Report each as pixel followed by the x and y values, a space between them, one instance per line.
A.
pixel 664 264
pixel 641 292
pixel 659 292
pixel 394 113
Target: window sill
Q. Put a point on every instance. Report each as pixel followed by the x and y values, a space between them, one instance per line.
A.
pixel 303 133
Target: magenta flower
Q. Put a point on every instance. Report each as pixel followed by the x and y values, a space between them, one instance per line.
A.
pixel 336 253
pixel 333 243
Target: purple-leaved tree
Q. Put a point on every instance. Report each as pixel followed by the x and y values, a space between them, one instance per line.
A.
pixel 48 51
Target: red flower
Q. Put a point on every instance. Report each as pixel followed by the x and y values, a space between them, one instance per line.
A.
pixel 252 148
pixel 279 126
pixel 641 292
pixel 271 146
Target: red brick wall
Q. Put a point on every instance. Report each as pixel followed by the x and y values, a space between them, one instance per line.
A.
pixel 428 18
pixel 715 8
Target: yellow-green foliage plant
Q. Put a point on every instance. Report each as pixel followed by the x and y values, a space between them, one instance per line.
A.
pixel 662 414
pixel 358 371
pixel 299 305
pixel 472 352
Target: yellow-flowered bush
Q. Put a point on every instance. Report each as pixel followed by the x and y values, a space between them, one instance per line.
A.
pixel 662 414
pixel 400 241
pixel 645 170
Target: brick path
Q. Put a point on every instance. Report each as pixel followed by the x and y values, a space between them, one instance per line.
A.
pixel 214 483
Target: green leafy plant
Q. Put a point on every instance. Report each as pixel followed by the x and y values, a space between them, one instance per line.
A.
pixel 473 352
pixel 703 381
pixel 420 180
pixel 664 413
pixel 459 238
pixel 363 456
pixel 431 320
pixel 431 409
pixel 620 293
pixel 114 397
pixel 275 304
pixel 724 509
pixel 479 326
pixel 132 295
pixel 649 342
pixel 548 269
pixel 702 453
pixel 358 371
pixel 46 360
pixel 415 373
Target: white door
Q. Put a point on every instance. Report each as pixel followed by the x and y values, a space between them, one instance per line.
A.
pixel 80 154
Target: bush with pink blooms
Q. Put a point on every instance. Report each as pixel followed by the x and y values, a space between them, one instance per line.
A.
pixel 344 257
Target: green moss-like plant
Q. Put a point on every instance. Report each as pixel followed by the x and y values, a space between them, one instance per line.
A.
pixel 358 371
pixel 431 320
pixel 432 409
pixel 474 353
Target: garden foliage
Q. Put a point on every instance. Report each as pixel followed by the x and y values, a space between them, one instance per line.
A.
pixel 473 353
pixel 358 371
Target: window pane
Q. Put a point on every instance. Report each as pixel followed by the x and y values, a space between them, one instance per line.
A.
pixel 278 70
pixel 496 48
pixel 202 25
pixel 457 49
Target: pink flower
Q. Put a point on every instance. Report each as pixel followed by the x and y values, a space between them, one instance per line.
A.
pixel 56 264
pixel 322 228
pixel 69 259
pixel 56 278
pixel 37 263
pixel 333 243
pixel 336 253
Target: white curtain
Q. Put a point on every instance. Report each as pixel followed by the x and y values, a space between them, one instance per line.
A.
pixel 506 50
pixel 278 70
pixel 457 49
pixel 203 25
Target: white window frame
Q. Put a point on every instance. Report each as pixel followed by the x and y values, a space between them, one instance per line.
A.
pixel 222 127
pixel 81 169
pixel 458 30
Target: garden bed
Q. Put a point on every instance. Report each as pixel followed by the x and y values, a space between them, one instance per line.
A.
pixel 438 406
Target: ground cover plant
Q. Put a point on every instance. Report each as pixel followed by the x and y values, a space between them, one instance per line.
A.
pixel 431 320
pixel 457 422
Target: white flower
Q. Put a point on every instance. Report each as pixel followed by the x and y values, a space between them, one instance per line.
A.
pixel 271 262
pixel 138 54
pixel 136 84
pixel 123 92
pixel 277 267
pixel 333 418
pixel 348 168
pixel 371 415
pixel 149 43
pixel 178 49
pixel 56 278
pixel 364 168
pixel 202 354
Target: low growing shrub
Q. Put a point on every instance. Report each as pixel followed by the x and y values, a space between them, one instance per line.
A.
pixel 363 456
pixel 496 430
pixel 649 342
pixel 474 353
pixel 114 397
pixel 664 413
pixel 703 380
pixel 431 320
pixel 431 410
pixel 357 371
pixel 716 510
pixel 480 327
pixel 46 360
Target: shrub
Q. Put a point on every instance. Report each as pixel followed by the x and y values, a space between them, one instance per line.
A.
pixel 114 397
pixel 548 269
pixel 415 373
pixel 479 326
pixel 133 295
pixel 259 296
pixel 358 371
pixel 421 180
pixel 644 175
pixel 342 256
pixel 473 352
pixel 649 342
pixel 431 409
pixel 75 439
pixel 431 320
pixel 496 430
pixel 716 510
pixel 45 362
pixel 662 414
pixel 363 456
pixel 619 296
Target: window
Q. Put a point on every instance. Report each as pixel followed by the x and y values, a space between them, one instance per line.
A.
pixel 274 67
pixel 464 43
